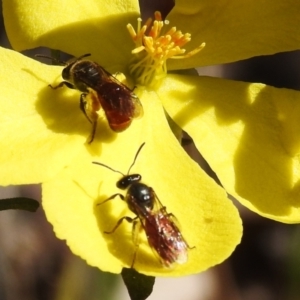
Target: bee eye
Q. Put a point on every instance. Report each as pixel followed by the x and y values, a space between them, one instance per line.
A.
pixel 126 181
pixel 123 184
pixel 66 74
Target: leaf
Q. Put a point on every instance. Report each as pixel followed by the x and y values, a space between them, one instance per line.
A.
pixel 19 203
pixel 139 286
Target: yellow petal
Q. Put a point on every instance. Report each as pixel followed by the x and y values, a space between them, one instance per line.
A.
pixel 97 27
pixel 209 221
pixel 235 30
pixel 248 133
pixel 41 129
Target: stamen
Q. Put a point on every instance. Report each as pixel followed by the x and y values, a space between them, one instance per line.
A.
pixel 153 48
pixel 157 16
pixel 191 53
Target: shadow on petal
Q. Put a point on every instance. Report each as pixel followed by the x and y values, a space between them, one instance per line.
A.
pixel 248 133
pixel 107 39
pixel 61 114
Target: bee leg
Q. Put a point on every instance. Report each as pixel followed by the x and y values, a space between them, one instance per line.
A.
pixel 111 198
pixel 128 219
pixel 90 114
pixel 93 132
pixel 83 106
pixel 67 84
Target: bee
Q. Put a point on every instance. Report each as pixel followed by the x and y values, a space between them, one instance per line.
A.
pixel 162 232
pixel 100 89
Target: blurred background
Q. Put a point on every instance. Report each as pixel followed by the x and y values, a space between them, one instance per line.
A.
pixel 35 265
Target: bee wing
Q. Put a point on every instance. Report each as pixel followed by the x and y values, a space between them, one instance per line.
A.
pixel 138 108
pixel 158 206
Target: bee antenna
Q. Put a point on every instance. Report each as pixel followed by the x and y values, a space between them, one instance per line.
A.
pixel 74 60
pixel 52 58
pixel 103 165
pixel 84 55
pixel 63 63
pixel 137 153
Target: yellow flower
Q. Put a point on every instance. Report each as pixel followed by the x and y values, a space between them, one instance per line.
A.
pixel 43 131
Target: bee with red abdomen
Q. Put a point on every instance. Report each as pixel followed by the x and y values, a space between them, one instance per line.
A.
pixel 162 232
pixel 100 89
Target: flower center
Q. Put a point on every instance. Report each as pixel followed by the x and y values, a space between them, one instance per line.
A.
pixel 153 48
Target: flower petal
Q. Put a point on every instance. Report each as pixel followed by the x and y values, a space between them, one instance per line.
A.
pixel 41 131
pixel 248 133
pixel 208 219
pixel 235 30
pixel 97 27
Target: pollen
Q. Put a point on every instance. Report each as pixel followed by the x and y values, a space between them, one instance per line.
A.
pixel 153 46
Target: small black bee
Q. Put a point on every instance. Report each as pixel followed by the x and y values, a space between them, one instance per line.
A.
pixel 163 235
